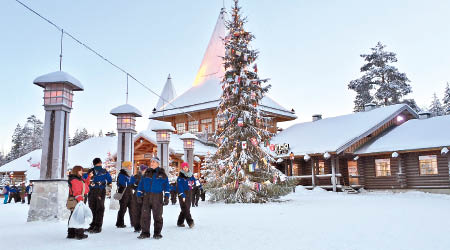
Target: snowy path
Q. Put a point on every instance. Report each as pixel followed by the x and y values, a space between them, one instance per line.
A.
pixel 309 220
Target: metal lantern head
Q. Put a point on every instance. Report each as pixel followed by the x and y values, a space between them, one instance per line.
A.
pixel 188 140
pixel 163 130
pixel 58 88
pixel 126 121
pixel 163 136
pixel 126 116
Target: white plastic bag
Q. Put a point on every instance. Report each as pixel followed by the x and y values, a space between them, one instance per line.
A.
pixel 81 216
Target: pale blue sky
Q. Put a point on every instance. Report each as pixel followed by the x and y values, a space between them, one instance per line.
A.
pixel 310 50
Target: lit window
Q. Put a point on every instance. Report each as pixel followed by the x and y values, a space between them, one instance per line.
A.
pixel 428 165
pixel 382 167
pixel 181 128
pixel 295 169
pixel 193 126
pixel 321 167
pixel 207 125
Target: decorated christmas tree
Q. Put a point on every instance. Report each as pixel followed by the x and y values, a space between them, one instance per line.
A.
pixel 240 170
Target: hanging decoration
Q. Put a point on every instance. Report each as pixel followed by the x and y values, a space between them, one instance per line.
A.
pixel 244 144
pixel 240 122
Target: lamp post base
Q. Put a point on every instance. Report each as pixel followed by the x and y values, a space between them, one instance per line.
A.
pixel 48 201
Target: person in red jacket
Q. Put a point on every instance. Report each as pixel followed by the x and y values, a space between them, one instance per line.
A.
pixel 76 183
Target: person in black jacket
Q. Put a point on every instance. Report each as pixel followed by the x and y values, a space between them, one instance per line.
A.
pixel 124 187
pixel 101 178
pixel 153 186
pixel 136 206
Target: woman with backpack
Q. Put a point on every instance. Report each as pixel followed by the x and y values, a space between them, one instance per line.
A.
pixel 78 187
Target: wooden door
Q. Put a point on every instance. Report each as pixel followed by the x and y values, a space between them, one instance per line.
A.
pixel 353 173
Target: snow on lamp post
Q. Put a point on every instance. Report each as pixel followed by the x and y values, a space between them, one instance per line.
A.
pixel 188 144
pixel 50 194
pixel 163 130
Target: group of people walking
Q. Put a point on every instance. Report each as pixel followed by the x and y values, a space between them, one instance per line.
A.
pixel 17 193
pixel 143 195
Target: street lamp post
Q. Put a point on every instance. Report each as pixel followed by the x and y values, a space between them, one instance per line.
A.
pixel 163 130
pixel 50 192
pixel 188 144
pixel 126 128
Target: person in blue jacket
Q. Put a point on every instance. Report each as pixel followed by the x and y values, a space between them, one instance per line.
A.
pixel 13 194
pixel 150 193
pixel 124 187
pixel 6 191
pixel 136 206
pixel 185 182
pixel 97 193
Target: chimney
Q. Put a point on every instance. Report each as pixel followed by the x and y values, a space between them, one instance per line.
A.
pixel 369 106
pixel 424 115
pixel 316 117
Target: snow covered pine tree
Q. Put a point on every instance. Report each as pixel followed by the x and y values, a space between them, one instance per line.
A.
pixel 242 167
pixel 446 99
pixel 385 80
pixel 436 108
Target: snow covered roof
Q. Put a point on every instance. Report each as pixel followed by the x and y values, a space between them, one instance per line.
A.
pixel 206 90
pixel 176 144
pixel 168 94
pixel 59 76
pixel 412 135
pixel 335 134
pixel 160 125
pixel 126 109
pixel 80 154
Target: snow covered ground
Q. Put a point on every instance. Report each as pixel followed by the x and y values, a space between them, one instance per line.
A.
pixel 306 220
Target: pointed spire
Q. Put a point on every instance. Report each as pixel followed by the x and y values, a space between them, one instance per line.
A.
pixel 168 94
pixel 212 60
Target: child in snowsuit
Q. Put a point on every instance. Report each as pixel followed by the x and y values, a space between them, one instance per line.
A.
pixel 76 183
pixel 185 182
pixel 6 190
pixel 136 206
pixel 173 193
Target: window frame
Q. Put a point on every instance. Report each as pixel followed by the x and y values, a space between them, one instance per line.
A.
pixel 435 160
pixel 388 172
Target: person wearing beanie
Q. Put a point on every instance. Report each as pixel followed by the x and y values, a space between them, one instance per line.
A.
pixel 96 197
pixel 124 187
pixel 135 205
pixel 150 192
pixel 185 182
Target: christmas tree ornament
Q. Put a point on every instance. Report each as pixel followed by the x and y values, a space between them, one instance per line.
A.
pixel 251 169
pixel 272 147
pixel 254 141
pixel 245 57
pixel 238 53
pixel 255 68
pixel 244 144
pixel 240 122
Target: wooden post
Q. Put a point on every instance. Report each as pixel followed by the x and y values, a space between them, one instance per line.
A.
pixel 338 170
pixel 448 160
pixel 401 175
pixel 333 173
pixel 313 173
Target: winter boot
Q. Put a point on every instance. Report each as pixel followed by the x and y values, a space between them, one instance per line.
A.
pixel 70 233
pixel 79 235
pixel 181 225
pixel 157 236
pixel 191 225
pixel 137 230
pixel 144 236
pixel 121 226
pixel 91 229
